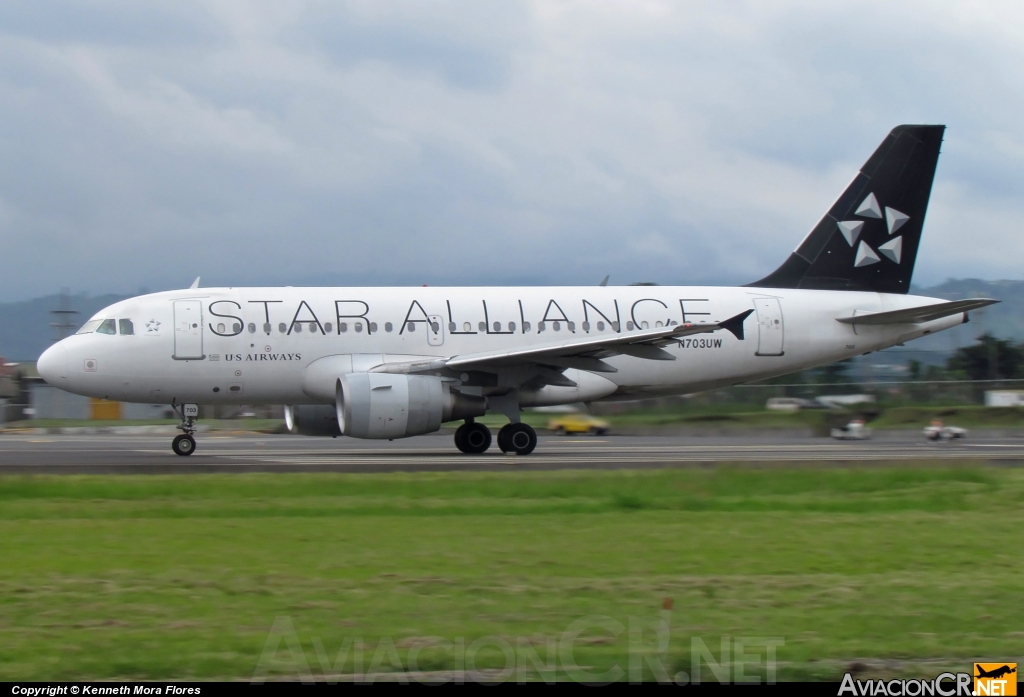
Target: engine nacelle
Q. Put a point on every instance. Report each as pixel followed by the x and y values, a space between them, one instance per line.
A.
pixel 384 405
pixel 312 420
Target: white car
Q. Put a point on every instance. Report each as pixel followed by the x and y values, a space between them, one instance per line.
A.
pixel 855 430
pixel 937 431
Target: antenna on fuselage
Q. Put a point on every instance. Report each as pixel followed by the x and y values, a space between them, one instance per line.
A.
pixel 604 281
pixel 195 283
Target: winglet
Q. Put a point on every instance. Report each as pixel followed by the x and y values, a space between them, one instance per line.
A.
pixel 195 283
pixel 735 324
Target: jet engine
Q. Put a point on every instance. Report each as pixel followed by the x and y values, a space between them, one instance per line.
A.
pixel 383 405
pixel 312 420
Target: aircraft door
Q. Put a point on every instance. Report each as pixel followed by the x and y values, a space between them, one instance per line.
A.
pixel 188 330
pixel 435 330
pixel 770 328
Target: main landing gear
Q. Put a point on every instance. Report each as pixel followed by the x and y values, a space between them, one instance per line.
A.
pixel 185 444
pixel 473 438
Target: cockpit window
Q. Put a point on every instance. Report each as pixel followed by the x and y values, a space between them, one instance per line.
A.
pixel 107 326
pixel 89 327
pixel 126 327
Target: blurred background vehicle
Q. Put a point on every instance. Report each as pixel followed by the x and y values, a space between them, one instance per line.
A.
pixel 578 423
pixel 936 430
pixel 854 430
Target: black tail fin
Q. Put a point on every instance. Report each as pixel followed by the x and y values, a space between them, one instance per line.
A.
pixel 868 240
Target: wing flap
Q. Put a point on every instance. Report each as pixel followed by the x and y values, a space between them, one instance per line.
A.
pixel 916 315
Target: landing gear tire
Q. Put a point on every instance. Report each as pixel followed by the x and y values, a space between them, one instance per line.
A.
pixel 503 443
pixel 473 439
pixel 520 439
pixel 183 445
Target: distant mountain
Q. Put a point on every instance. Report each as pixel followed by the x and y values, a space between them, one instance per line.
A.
pixel 26 327
pixel 26 331
pixel 1004 320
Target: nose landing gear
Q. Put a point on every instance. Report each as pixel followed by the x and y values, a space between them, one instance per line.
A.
pixel 185 444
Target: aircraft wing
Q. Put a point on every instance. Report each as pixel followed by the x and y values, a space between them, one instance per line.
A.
pixel 915 315
pixel 585 353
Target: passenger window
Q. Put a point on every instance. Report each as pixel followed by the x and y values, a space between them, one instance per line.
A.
pixel 629 326
pixel 358 326
pixel 410 327
pixel 467 327
pixel 371 327
pixel 107 326
pixel 388 326
pixel 252 328
pixel 451 326
pixel 511 326
pixel 297 328
pixel 267 327
pixel 556 326
pixel 283 328
pixel 526 326
pixel 586 326
pixel 600 326
pixel 328 328
pixel 220 327
pixel 236 327
pixel 497 326
pixel 342 327
pixel 126 326
pixel 571 326
pixel 540 327
pixel 482 327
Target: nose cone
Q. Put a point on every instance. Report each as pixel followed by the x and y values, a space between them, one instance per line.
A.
pixel 53 364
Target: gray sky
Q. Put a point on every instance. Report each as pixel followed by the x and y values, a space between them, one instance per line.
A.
pixel 371 142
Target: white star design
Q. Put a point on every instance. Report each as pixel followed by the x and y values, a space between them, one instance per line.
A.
pixel 152 326
pixel 894 220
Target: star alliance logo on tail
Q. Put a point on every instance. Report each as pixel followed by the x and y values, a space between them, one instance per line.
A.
pixel 852 230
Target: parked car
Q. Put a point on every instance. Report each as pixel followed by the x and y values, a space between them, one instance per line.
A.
pixel 855 430
pixel 936 430
pixel 579 423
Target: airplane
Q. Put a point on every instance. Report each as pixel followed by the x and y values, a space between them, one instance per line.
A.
pixel 995 672
pixel 386 363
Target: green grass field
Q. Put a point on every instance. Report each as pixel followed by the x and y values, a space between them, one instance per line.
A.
pixel 184 576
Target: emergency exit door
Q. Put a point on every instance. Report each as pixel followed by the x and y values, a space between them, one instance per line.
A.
pixel 770 328
pixel 188 330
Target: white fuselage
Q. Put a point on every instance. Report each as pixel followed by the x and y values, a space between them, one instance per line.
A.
pixel 254 345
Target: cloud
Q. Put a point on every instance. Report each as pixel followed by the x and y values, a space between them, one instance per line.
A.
pixel 488 142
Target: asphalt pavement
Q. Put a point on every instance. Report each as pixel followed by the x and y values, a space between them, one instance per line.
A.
pixel 221 452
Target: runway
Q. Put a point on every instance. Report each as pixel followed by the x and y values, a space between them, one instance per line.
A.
pixel 219 452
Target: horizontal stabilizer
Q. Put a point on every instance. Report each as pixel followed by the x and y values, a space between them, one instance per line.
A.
pixel 916 315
